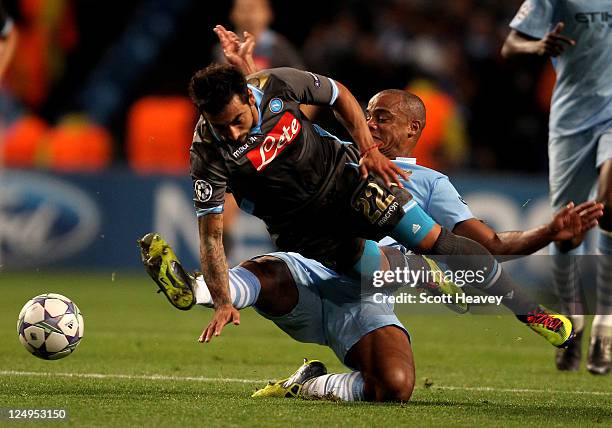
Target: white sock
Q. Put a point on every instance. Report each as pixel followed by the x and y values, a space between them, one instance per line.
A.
pixel 566 279
pixel 602 323
pixel 345 386
pixel 244 289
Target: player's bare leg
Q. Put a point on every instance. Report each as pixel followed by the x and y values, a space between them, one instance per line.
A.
pixel 384 358
pixel 278 295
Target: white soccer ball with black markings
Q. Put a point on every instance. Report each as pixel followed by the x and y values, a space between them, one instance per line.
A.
pixel 50 326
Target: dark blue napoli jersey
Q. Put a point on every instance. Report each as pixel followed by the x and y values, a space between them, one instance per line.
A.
pixel 286 163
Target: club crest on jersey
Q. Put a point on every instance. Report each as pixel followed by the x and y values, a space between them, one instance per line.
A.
pixel 203 190
pixel 276 105
pixel 277 140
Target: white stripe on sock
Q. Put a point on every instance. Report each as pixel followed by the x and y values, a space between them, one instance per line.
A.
pixel 345 386
pixel 244 289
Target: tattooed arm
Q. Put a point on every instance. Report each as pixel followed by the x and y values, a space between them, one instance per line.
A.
pixel 214 269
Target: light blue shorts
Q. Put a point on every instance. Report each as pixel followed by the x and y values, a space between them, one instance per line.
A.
pixel 331 310
pixel 574 161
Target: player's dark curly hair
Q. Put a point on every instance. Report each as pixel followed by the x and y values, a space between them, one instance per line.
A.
pixel 213 87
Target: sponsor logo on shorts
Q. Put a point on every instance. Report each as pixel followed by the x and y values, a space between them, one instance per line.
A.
pixel 277 140
pixel 203 190
pixel 416 228
pixel 276 105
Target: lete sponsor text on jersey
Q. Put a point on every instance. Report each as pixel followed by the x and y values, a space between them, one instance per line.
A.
pixel 285 131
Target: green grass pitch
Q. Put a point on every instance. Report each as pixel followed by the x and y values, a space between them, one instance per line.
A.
pixel 139 364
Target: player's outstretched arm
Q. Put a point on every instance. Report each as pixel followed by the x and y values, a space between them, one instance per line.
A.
pixel 568 224
pixel 552 44
pixel 349 113
pixel 240 54
pixel 215 272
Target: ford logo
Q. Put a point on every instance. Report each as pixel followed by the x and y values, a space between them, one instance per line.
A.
pixel 43 219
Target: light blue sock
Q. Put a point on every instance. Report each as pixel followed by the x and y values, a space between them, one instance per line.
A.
pixel 369 261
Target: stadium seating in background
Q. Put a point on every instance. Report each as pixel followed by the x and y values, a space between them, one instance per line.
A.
pixel 23 142
pixel 159 134
pixel 77 145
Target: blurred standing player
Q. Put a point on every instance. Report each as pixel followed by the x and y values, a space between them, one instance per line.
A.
pixel 8 40
pixel 577 34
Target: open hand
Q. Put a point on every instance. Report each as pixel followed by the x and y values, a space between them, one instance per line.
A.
pixel 554 44
pixel 571 222
pixel 223 315
pixel 237 52
pixel 376 163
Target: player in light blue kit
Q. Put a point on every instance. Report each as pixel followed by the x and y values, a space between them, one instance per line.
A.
pixel 313 304
pixel 577 34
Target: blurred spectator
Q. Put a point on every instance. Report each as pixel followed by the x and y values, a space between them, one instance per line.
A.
pixel 443 144
pixel 8 40
pixel 114 57
pixel 331 46
pixel 47 34
pixel 272 49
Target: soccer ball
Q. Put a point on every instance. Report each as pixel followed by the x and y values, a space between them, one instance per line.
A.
pixel 50 326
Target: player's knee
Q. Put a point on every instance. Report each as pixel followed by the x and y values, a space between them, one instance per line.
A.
pixel 396 384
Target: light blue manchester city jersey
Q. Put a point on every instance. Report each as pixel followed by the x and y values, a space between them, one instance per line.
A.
pixel 434 193
pixel 582 96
